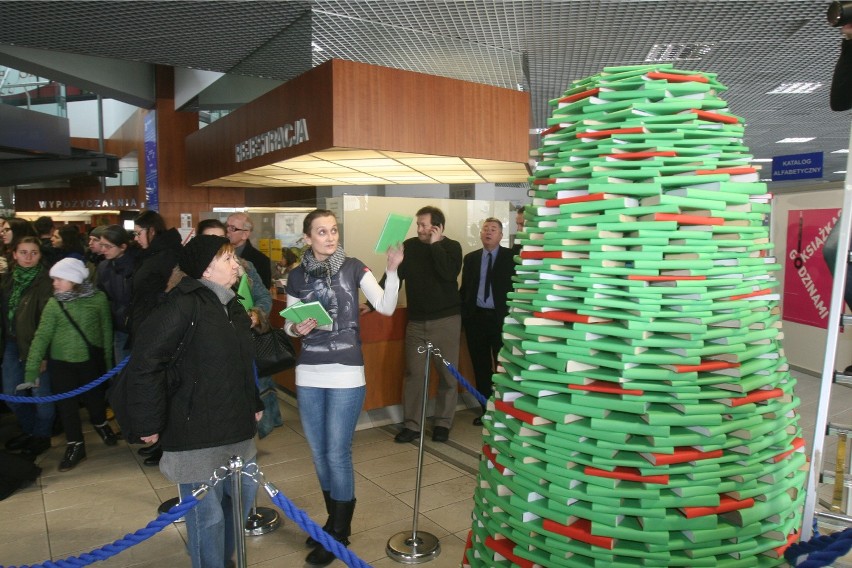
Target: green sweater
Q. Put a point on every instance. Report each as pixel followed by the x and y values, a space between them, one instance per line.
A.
pixel 57 339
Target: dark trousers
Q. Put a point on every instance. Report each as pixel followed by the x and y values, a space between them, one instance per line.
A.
pixel 66 377
pixel 483 330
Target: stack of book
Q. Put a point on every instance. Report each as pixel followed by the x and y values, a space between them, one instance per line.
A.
pixel 643 411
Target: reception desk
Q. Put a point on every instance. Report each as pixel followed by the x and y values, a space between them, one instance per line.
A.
pixel 383 343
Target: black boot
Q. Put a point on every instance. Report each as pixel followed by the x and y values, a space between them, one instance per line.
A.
pixel 106 434
pixel 154 458
pixel 148 450
pixel 327 496
pixel 36 446
pixel 75 452
pixel 341 528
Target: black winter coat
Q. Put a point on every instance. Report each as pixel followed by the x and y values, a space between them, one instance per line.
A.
pixel 115 278
pixel 152 275
pixel 208 398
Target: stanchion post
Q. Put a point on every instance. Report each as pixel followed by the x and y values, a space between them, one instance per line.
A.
pixel 414 547
pixel 235 464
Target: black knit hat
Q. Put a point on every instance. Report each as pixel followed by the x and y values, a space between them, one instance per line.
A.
pixel 197 255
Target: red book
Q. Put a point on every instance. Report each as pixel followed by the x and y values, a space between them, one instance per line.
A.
pixel 627 474
pixel 664 278
pixel 726 505
pixel 610 388
pixel 573 317
pixel 705 366
pixel 505 548
pixel 578 96
pixel 539 254
pixel 688 219
pixel 581 530
pixel 578 199
pixel 551 130
pixel 796 444
pixel 757 396
pixel 758 293
pixel 607 133
pixel 791 538
pixel 510 409
pixel 641 155
pixel 732 171
pixel 714 116
pixel 492 457
pixel 675 78
pixel 682 455
pixel 546 181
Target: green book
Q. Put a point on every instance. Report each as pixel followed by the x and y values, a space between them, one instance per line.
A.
pixel 244 293
pixel 393 233
pixel 301 311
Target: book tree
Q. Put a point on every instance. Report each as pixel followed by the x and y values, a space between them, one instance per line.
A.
pixel 643 412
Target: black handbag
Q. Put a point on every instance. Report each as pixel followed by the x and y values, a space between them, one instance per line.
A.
pixel 273 352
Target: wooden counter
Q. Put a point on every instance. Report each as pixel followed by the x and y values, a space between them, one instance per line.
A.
pixel 383 343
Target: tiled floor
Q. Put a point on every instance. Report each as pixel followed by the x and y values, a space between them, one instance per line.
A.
pixel 112 494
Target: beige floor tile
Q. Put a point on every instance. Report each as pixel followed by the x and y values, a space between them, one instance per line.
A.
pixel 459 489
pixel 166 548
pixel 405 459
pixel 403 481
pixel 26 548
pixel 454 517
pixel 12 526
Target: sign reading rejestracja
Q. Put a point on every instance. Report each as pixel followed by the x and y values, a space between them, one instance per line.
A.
pixel 276 139
pixel 797 166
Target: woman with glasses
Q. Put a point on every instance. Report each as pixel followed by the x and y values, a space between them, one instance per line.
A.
pixel 25 290
pixel 115 278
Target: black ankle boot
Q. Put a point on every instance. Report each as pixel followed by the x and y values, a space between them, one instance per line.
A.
pixel 341 528
pixel 106 434
pixel 327 496
pixel 36 446
pixel 75 452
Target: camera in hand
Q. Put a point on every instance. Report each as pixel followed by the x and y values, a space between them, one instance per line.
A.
pixel 839 14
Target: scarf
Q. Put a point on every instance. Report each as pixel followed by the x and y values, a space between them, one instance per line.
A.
pixel 22 278
pixel 323 268
pixel 83 290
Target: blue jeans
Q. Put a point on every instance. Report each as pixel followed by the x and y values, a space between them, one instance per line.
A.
pixel 329 417
pixel 210 526
pixel 34 419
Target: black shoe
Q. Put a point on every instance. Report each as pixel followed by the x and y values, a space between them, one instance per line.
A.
pixel 326 495
pixel 154 459
pixel 75 452
pixel 19 442
pixel 406 435
pixel 341 528
pixel 148 450
pixel 477 421
pixel 36 447
pixel 440 434
pixel 106 434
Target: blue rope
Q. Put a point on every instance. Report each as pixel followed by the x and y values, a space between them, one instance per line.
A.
pixel 122 544
pixel 822 550
pixel 314 530
pixel 463 382
pixel 70 394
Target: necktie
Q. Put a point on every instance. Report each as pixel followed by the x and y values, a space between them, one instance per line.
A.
pixel 488 277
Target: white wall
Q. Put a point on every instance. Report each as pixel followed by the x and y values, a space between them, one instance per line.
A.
pixel 83 117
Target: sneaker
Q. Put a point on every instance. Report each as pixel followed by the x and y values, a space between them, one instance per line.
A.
pixel 406 435
pixel 75 452
pixel 440 434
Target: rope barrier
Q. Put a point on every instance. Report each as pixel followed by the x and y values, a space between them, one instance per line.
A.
pixel 314 530
pixel 70 394
pixel 108 551
pixel 463 382
pixel 821 550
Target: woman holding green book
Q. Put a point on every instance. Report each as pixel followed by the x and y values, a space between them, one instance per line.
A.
pixel 330 381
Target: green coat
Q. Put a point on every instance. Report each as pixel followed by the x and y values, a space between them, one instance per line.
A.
pixel 57 339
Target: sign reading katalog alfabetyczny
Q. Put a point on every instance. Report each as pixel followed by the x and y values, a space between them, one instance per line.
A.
pixel 797 166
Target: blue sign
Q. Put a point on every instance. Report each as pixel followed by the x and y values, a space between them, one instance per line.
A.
pixel 797 166
pixel 152 180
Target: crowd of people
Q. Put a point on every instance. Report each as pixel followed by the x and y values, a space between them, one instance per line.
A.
pixel 73 306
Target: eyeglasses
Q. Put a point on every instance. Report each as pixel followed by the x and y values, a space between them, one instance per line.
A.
pixel 233 229
pixel 6 230
pixel 108 246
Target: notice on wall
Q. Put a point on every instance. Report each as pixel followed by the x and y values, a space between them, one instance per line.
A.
pixel 807 278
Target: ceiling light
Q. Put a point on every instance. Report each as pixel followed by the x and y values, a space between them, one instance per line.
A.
pixel 315 47
pixel 679 51
pixel 795 140
pixel 841 151
pixel 756 160
pixel 794 88
pixel 840 172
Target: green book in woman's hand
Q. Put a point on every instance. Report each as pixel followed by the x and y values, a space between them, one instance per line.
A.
pixel 394 232
pixel 300 311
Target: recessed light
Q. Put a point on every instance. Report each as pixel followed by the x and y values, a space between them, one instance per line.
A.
pixel 795 140
pixel 679 51
pixel 841 151
pixel 756 160
pixel 794 88
pixel 840 172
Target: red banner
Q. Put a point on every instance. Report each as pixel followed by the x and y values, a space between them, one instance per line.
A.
pixel 807 280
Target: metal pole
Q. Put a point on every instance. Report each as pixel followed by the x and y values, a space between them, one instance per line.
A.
pixel 414 547
pixel 235 464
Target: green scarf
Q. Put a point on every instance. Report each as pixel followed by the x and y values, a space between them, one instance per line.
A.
pixel 21 280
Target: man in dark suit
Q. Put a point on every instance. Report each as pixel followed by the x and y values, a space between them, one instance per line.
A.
pixel 239 229
pixel 486 280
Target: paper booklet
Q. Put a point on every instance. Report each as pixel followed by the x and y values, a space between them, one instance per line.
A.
pixel 300 311
pixel 394 232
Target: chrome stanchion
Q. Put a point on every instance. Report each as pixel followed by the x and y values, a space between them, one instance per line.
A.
pixel 262 520
pixel 168 504
pixel 235 464
pixel 416 547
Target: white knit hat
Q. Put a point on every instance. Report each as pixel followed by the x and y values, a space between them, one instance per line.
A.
pixel 70 269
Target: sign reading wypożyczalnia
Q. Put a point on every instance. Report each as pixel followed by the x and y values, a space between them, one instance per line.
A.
pixel 276 139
